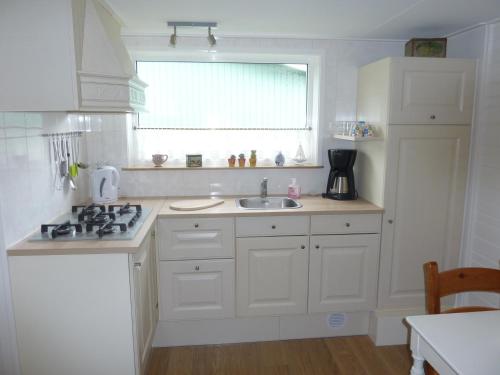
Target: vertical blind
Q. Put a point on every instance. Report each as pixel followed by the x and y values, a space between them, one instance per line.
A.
pixel 198 95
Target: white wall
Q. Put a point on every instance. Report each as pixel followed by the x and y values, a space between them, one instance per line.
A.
pixel 28 198
pixel 483 215
pixel 341 60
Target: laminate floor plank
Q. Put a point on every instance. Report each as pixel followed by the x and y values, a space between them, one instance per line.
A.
pixel 344 357
pixel 353 355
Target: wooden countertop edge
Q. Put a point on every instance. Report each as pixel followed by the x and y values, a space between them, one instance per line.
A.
pixel 160 209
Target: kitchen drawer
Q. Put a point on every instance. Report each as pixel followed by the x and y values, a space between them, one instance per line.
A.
pixel 272 226
pixel 345 224
pixel 197 289
pixel 196 238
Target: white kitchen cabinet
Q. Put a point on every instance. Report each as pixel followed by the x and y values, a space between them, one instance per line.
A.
pixel 413 90
pixel 84 314
pixel 197 289
pixel 343 272
pixel 272 275
pixel 146 300
pixel 424 204
pixel 64 55
pixel 196 238
pixel 272 226
pixel 418 172
pixel 345 224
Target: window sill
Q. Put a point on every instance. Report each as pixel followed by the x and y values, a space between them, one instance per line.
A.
pixel 178 168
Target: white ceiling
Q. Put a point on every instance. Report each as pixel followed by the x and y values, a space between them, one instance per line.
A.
pixel 370 19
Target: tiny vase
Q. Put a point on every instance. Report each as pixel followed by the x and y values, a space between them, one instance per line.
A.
pixel 231 162
pixel 253 162
pixel 241 163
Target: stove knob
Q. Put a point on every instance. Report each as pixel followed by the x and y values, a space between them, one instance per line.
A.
pixel 197 268
pixel 196 225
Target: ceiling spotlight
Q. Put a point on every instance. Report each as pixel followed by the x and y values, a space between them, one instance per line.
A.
pixel 173 37
pixel 211 37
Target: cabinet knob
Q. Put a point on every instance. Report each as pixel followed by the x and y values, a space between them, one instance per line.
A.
pixel 433 117
pixel 347 225
pixel 302 247
pixel 197 268
pixel 196 225
pixel 273 226
pixel 390 221
pixel 317 246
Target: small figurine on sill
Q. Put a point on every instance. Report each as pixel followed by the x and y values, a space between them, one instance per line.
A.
pixel 241 160
pixel 279 160
pixel 232 161
pixel 253 158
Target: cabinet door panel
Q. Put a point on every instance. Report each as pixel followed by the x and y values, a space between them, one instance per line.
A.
pixel 425 191
pixel 431 91
pixel 343 272
pixel 196 289
pixel 272 275
pixel 196 238
pixel 144 299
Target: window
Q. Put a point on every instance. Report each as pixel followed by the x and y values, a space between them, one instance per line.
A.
pixel 223 108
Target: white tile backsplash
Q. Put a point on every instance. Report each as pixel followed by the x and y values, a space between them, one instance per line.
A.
pixel 29 196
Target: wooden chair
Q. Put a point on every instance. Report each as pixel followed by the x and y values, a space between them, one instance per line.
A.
pixel 458 280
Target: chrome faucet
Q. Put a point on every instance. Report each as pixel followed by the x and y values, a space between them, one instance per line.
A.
pixel 263 188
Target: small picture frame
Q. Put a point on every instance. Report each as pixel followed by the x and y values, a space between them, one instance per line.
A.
pixel 194 161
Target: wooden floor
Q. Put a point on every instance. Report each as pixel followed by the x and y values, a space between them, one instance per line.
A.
pixel 340 355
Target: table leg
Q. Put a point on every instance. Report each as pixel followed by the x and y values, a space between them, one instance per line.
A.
pixel 418 365
pixel 418 360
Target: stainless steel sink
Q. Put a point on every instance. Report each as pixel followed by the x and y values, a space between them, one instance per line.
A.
pixel 269 203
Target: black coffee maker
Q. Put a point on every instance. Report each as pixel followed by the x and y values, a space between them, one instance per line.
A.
pixel 341 178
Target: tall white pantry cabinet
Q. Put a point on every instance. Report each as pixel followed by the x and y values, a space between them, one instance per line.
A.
pixel 422 109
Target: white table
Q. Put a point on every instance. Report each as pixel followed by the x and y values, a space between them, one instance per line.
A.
pixel 465 344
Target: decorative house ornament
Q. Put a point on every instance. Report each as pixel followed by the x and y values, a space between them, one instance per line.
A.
pixel 279 160
pixel 426 47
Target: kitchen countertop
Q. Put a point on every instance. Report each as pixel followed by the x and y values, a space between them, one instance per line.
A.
pixel 160 208
pixel 26 247
pixel 311 205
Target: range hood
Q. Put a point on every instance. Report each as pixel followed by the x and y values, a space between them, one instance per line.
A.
pixel 65 55
pixel 106 74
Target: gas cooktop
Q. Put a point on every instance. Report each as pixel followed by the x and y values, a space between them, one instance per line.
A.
pixel 95 222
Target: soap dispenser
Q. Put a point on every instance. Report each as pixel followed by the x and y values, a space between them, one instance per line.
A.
pixel 294 190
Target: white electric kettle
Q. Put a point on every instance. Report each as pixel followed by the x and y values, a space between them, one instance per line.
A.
pixel 104 183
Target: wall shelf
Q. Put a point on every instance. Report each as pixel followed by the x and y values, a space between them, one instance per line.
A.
pixel 357 139
pixel 182 168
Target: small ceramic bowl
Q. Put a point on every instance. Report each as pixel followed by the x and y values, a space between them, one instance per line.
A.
pixel 159 159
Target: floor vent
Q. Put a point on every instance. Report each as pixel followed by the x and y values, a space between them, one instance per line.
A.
pixel 337 320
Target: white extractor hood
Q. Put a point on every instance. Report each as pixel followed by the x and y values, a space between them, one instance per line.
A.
pixel 65 55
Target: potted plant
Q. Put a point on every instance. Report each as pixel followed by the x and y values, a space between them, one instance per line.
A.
pixel 241 160
pixel 253 158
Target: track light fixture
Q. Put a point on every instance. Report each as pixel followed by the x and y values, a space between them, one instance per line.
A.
pixel 211 37
pixel 173 38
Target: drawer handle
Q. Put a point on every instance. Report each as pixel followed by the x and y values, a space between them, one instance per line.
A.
pixel 197 268
pixel 317 246
pixel 302 247
pixel 433 117
pixel 347 225
pixel 273 226
pixel 196 225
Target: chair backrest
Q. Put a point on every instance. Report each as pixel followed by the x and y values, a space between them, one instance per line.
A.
pixel 458 280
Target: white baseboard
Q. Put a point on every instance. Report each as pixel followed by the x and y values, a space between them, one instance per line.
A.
pixel 232 330
pixel 387 326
